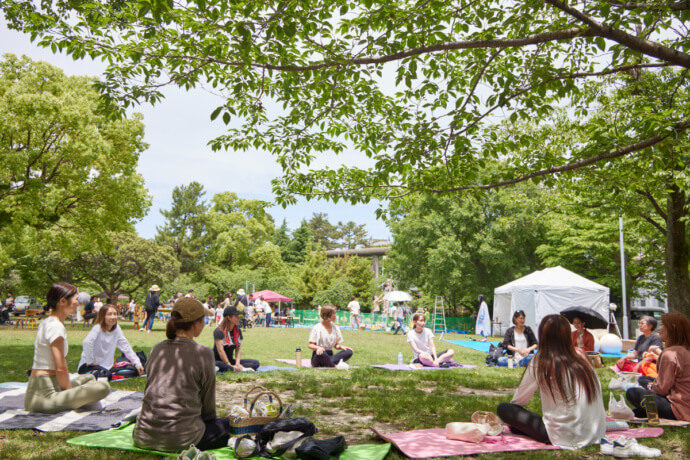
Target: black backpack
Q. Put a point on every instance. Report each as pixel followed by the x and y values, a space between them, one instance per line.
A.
pixel 495 352
pixel 265 435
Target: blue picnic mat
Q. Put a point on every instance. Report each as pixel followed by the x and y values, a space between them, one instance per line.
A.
pixel 484 347
pixel 478 346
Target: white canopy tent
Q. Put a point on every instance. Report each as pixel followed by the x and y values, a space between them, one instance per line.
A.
pixel 547 292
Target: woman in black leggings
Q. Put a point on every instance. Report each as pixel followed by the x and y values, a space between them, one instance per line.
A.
pixel 571 400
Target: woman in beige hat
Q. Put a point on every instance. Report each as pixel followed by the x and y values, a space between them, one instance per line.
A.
pixel 179 406
pixel 152 303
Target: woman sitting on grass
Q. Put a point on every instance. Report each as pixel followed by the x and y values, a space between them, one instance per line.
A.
pixel 632 361
pixel 583 340
pixel 421 339
pixel 50 389
pixel 227 340
pixel 519 340
pixel 326 337
pixel 97 356
pixel 571 401
pixel 179 406
pixel 671 389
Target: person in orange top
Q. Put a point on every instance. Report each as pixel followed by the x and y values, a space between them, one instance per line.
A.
pixel 583 340
pixel 671 389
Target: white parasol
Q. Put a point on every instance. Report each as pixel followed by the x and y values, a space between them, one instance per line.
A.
pixel 397 296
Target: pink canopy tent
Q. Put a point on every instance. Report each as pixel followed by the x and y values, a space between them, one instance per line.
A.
pixel 269 296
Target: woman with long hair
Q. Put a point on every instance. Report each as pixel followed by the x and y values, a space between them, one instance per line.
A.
pixel 671 389
pixel 50 389
pixel 571 400
pixel 326 337
pixel 179 406
pixel 99 346
pixel 227 340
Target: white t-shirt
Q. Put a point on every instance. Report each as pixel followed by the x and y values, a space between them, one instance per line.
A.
pixel 97 305
pixel 422 340
pixel 569 425
pixel 320 336
pixel 99 347
pixel 132 306
pixel 391 312
pixel 353 307
pixel 267 308
pixel 49 330
pixel 520 341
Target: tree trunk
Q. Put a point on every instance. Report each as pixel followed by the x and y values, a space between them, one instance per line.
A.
pixel 677 278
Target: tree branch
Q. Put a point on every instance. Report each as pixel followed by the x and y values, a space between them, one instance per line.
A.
pixel 630 41
pixel 647 194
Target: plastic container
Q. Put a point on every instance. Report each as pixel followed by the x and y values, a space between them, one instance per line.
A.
pixel 400 357
pixel 298 357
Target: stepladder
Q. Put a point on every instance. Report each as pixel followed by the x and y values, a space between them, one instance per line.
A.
pixel 439 318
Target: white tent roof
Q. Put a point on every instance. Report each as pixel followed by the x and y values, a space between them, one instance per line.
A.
pixel 551 278
pixel 547 292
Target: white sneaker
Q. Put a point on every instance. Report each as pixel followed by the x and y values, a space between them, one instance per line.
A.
pixel 628 447
pixel 606 446
pixel 617 384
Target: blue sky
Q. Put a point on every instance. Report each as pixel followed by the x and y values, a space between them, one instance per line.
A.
pixel 177 131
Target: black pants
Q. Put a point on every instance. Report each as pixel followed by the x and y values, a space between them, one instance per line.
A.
pixel 253 363
pixel 522 421
pixel 635 396
pixel 216 434
pixel 97 371
pixel 328 359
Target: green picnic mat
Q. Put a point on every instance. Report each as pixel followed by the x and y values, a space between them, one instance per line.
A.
pixel 121 439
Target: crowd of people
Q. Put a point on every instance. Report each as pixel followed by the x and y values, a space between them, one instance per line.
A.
pixel 179 407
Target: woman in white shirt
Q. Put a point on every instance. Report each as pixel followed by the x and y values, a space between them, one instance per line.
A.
pixel 99 346
pixel 326 337
pixel 519 341
pixel 50 390
pixel 571 401
pixel 421 339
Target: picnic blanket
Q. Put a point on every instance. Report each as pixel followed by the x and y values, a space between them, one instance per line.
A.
pixel 119 406
pixel 121 439
pixel 306 362
pixel 263 369
pixel 433 442
pixel 662 422
pixel 409 367
pixel 484 347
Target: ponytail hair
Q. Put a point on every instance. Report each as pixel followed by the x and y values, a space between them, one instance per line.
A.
pixel 175 324
pixel 59 291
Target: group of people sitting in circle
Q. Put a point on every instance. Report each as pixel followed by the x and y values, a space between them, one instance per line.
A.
pixel 179 406
pixel 573 413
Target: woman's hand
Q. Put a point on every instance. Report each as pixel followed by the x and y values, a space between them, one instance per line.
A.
pixel 345 348
pixel 319 350
pixel 238 367
pixel 140 369
pixel 524 352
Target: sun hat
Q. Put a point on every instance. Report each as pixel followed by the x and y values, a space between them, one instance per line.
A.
pixel 241 292
pixel 189 309
pixel 230 311
pixel 154 288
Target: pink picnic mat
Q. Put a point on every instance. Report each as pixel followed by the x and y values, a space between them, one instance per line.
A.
pixel 433 442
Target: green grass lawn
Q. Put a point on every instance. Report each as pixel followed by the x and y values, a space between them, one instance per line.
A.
pixel 338 402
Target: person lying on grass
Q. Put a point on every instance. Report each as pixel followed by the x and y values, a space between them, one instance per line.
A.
pixel 179 405
pixel 421 339
pixel 50 389
pixel 571 400
pixel 227 340
pixel 99 346
pixel 326 337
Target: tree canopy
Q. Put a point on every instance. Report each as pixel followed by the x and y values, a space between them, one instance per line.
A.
pixel 64 165
pixel 415 86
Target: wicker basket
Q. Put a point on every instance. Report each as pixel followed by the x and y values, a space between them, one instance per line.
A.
pixel 252 424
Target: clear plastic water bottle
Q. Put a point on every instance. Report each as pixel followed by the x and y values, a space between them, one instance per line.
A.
pixel 400 358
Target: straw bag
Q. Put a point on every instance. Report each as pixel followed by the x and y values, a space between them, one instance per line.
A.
pixel 252 424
